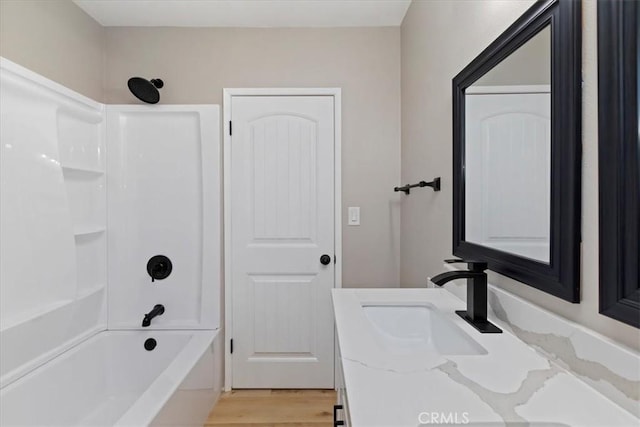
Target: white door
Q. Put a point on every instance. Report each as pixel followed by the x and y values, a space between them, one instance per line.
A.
pixel 282 222
pixel 508 172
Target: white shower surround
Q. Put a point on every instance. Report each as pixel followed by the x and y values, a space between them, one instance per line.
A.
pixel 54 319
pixel 163 186
pixel 52 220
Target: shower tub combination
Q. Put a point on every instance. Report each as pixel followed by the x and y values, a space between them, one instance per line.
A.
pixel 111 379
pixel 109 188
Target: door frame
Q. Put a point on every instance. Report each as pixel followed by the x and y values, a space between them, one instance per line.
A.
pixel 228 94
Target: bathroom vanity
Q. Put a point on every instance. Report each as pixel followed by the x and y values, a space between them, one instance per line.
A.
pixel 407 359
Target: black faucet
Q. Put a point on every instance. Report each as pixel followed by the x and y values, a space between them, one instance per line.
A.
pixel 158 309
pixel 476 313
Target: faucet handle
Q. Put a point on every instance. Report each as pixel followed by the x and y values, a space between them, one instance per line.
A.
pixel 473 265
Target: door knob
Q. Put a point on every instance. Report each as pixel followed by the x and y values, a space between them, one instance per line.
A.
pixel 325 259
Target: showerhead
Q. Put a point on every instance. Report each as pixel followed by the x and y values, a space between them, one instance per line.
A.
pixel 145 90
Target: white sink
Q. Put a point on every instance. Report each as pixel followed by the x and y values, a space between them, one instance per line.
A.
pixel 406 329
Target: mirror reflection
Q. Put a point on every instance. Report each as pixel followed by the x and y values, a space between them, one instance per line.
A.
pixel 508 153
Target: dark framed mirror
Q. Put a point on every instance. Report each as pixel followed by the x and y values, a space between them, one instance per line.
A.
pixel 517 151
pixel 619 159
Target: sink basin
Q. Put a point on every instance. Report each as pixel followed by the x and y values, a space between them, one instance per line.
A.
pixel 406 329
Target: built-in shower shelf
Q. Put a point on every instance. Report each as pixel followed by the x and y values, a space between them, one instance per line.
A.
pixel 85 230
pixel 68 169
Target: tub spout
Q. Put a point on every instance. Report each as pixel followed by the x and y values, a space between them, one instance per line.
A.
pixel 158 309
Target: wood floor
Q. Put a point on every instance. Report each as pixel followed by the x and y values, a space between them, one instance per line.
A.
pixel 271 408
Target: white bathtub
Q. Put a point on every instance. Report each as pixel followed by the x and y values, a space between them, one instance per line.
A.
pixel 111 379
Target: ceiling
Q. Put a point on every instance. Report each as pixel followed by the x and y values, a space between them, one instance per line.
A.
pixel 246 13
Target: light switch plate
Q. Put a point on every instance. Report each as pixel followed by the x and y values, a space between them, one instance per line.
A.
pixel 354 215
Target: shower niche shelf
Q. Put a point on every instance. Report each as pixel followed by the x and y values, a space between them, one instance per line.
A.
pixel 87 199
pixel 85 230
pixel 80 135
pixel 91 249
pixel 80 139
pixel 69 170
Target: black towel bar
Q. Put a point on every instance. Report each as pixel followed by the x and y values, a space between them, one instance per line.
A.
pixel 435 184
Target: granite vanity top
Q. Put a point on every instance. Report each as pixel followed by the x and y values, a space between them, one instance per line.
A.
pixel 512 383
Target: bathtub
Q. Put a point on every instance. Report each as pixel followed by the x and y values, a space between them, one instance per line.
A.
pixel 111 379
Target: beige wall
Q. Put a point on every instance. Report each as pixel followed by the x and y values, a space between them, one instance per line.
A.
pixel 530 64
pixel 434 50
pixel 57 39
pixel 197 63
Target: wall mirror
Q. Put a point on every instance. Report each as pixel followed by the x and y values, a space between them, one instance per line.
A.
pixel 619 159
pixel 516 150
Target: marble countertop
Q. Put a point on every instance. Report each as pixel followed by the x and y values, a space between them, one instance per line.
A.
pixel 512 383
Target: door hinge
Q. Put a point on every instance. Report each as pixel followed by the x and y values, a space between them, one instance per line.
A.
pixel 231 346
pixel 230 128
